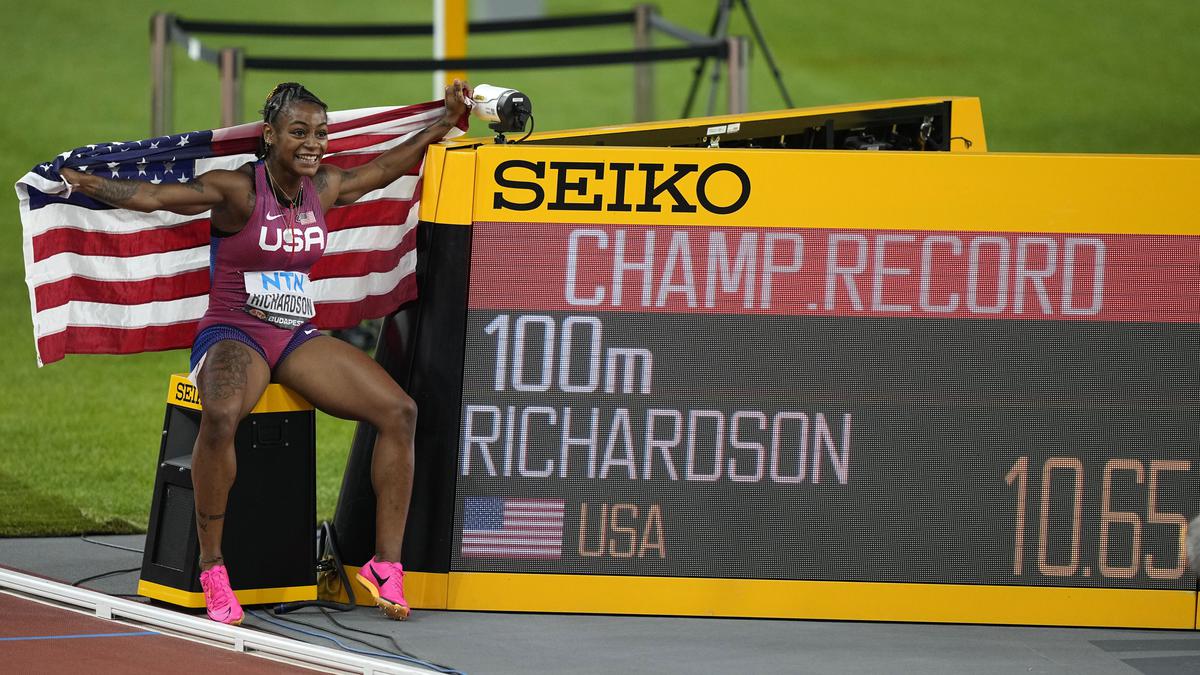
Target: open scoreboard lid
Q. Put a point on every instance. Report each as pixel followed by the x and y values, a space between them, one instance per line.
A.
pixel 952 123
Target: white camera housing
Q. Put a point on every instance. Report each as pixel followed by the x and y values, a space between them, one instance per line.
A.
pixel 506 109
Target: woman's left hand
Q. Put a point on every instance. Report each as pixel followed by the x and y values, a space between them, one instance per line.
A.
pixel 458 100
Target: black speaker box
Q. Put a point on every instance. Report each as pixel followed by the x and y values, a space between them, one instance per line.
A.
pixel 269 542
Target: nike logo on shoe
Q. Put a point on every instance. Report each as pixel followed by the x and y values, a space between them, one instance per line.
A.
pixel 274 216
pixel 381 580
pixel 310 331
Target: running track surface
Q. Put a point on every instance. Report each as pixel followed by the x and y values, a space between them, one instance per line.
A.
pixel 39 638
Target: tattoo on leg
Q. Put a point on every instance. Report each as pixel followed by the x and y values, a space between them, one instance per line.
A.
pixel 116 192
pixel 203 519
pixel 212 561
pixel 225 375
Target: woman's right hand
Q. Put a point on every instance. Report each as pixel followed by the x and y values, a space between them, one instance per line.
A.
pixel 72 178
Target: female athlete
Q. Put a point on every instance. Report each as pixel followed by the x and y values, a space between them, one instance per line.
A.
pixel 268 216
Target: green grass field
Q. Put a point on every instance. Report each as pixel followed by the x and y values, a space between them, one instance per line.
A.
pixel 78 439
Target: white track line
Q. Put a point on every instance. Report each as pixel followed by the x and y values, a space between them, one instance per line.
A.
pixel 175 624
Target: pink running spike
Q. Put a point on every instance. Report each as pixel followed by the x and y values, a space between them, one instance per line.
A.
pixel 385 581
pixel 222 604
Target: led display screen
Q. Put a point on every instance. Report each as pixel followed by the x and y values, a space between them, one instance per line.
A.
pixel 969 407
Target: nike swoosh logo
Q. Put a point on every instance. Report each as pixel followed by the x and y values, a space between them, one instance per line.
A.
pixel 310 331
pixel 274 216
pixel 381 580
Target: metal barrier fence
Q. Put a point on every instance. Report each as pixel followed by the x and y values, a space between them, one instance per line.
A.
pixel 167 30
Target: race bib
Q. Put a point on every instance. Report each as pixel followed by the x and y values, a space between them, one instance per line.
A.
pixel 279 298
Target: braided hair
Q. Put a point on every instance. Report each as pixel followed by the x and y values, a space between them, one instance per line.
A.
pixel 283 95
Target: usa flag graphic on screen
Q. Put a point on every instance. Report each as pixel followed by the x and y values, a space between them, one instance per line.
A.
pixel 504 527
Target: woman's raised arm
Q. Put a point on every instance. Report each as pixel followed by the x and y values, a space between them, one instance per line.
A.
pixel 347 186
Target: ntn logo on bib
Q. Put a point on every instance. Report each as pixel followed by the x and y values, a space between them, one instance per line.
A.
pixel 280 298
pixel 276 282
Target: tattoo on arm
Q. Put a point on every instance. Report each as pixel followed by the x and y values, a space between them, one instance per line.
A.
pixel 115 192
pixel 203 519
pixel 195 185
pixel 321 181
pixel 347 183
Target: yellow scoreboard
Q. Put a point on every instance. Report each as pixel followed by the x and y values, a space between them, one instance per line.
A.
pixel 730 367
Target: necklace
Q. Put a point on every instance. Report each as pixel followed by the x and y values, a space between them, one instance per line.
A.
pixel 292 202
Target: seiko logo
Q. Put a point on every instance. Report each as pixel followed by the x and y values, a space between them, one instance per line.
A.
pixel 186 393
pixel 291 239
pixel 618 186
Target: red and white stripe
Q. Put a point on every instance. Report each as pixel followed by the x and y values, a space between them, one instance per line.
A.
pixel 121 282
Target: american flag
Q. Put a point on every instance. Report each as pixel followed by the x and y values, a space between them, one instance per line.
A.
pixel 506 527
pixel 104 280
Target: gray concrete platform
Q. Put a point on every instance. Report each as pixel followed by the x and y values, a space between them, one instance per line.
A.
pixel 483 643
